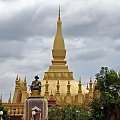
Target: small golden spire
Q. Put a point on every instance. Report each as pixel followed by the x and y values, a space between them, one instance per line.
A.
pixel 58 87
pixel 58 82
pixel 68 82
pixel 25 79
pixel 90 79
pixel 80 80
pixel 51 95
pixel 87 87
pixel 80 86
pixel 17 77
pixel 46 87
pixel 90 84
pixel 68 87
pixel 46 80
pixel 9 101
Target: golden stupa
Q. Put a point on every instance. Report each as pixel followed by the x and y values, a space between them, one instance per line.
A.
pixel 58 72
pixel 58 82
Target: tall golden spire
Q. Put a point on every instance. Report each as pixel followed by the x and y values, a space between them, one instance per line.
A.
pixel 59 51
pixel 58 69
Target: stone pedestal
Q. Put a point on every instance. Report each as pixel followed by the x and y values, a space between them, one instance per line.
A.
pixel 36 108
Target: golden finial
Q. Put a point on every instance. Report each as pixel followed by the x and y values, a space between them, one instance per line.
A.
pixel 25 79
pixel 90 80
pixel 80 80
pixel 80 86
pixel 58 87
pixel 68 81
pixel 90 84
pixel 68 87
pixel 59 13
pixel 46 81
pixel 87 87
pixel 17 77
pixel 58 82
pixel 9 101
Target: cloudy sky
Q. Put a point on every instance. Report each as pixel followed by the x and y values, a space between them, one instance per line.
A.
pixel 91 30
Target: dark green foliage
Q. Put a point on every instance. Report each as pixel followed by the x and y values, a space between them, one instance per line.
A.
pixel 108 84
pixel 108 81
pixel 54 113
pixel 5 115
pixel 69 112
pixel 97 110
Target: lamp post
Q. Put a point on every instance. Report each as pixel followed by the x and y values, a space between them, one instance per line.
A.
pixel 1 114
pixel 14 111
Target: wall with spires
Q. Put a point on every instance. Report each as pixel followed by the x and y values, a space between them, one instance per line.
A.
pixel 20 93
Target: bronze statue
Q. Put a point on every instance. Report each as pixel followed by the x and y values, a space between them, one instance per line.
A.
pixel 36 85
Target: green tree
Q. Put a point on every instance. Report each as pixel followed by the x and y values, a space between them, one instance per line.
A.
pixel 108 84
pixel 5 114
pixel 69 112
pixel 72 112
pixel 55 113
pixel 97 110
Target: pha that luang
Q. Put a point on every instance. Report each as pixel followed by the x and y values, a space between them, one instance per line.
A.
pixel 58 81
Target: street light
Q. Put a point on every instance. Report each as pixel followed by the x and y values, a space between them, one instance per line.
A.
pixel 1 114
pixel 14 111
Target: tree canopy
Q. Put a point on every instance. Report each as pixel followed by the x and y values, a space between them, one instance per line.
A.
pixel 69 112
pixel 5 114
pixel 108 84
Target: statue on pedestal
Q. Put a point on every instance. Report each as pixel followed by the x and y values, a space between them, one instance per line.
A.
pixel 36 85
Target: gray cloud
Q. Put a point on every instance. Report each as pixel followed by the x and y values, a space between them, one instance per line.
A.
pixel 117 48
pixel 27 23
pixel 90 55
pixel 99 23
pixel 11 50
